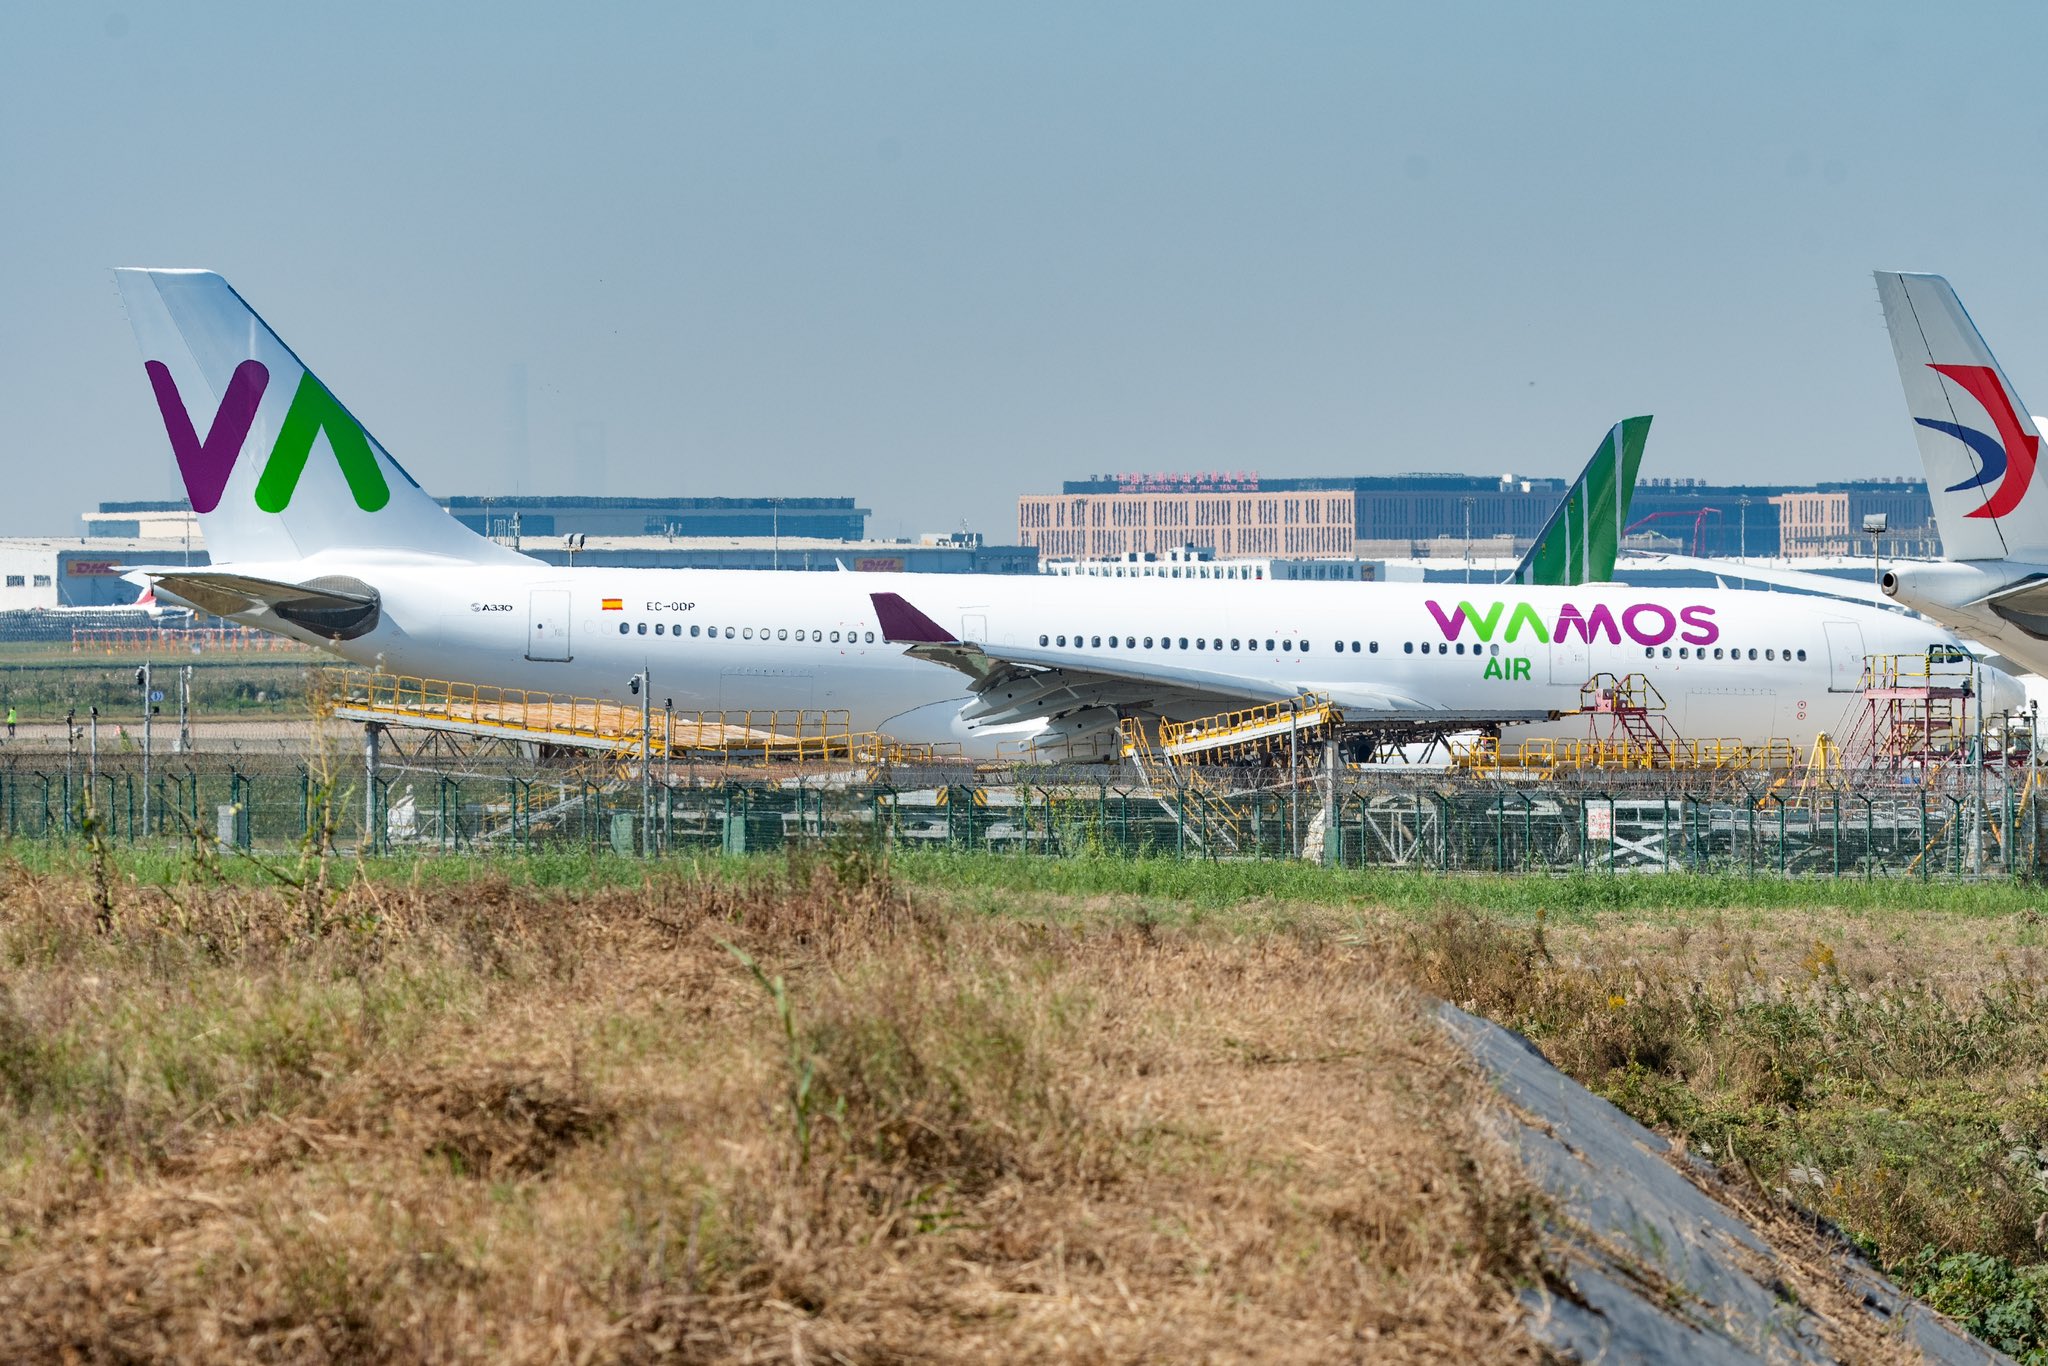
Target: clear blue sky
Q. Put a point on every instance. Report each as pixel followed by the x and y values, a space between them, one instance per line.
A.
pixel 937 255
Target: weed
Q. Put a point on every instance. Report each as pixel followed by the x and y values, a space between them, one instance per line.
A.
pixel 803 1064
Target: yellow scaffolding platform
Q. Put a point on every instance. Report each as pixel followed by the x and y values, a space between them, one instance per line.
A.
pixel 772 736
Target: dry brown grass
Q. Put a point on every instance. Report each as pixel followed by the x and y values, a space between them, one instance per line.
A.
pixel 506 1125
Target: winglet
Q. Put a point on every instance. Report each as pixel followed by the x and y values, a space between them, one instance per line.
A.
pixel 903 624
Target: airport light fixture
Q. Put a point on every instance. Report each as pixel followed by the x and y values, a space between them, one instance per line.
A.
pixel 1875 524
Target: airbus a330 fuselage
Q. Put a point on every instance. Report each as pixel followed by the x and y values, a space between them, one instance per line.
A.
pixel 1738 664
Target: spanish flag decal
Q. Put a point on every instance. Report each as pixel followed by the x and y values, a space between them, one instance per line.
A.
pixel 614 604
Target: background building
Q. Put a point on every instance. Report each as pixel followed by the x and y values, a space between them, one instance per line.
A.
pixel 171 535
pixel 831 519
pixel 1431 515
pixel 836 519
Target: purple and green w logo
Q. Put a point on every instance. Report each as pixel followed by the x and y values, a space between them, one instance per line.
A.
pixel 207 464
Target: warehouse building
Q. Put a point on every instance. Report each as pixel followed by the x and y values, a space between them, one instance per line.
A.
pixel 1428 515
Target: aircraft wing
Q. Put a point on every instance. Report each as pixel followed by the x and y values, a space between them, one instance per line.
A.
pixel 1803 580
pixel 1015 683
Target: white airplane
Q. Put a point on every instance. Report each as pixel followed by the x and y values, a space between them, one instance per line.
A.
pixel 318 534
pixel 1980 448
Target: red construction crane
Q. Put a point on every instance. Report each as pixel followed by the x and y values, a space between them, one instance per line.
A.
pixel 1699 525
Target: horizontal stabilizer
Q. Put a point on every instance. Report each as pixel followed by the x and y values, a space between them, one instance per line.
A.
pixel 331 607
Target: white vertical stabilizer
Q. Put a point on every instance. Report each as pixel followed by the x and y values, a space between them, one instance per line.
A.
pixel 1976 439
pixel 276 468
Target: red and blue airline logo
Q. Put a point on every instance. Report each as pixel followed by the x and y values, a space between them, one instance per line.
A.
pixel 2006 460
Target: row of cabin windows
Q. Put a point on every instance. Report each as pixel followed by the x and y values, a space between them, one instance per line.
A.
pixel 1700 652
pixel 1408 647
pixel 1082 642
pixel 748 633
pixel 1649 651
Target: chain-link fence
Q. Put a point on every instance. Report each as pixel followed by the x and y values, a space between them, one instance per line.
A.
pixel 1425 820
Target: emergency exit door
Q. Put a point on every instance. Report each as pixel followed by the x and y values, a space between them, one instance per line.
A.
pixel 547 624
pixel 1845 655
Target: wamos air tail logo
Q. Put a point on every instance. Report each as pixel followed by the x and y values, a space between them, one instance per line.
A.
pixel 207 464
pixel 2006 460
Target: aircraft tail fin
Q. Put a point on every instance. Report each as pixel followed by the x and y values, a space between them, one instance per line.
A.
pixel 1583 536
pixel 277 469
pixel 1977 441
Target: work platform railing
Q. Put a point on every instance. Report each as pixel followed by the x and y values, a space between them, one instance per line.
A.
pixel 799 737
pixel 1546 757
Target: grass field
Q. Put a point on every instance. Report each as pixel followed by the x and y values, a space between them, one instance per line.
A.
pixel 42 683
pixel 955 1108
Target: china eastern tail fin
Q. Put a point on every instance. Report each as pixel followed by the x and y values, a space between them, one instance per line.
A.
pixel 1977 441
pixel 1583 536
pixel 277 469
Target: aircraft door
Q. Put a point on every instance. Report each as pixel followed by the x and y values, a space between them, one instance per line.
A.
pixel 1845 655
pixel 547 624
pixel 1569 667
pixel 974 627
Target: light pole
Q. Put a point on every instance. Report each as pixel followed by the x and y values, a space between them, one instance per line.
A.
pixel 185 710
pixel 642 686
pixel 1875 524
pixel 1467 501
pixel 143 680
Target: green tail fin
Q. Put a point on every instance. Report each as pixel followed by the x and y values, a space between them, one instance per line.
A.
pixel 1582 538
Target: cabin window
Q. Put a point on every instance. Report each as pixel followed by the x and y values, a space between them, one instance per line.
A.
pixel 1183 642
pixel 728 633
pixel 1062 640
pixel 746 633
pixel 1443 649
pixel 1407 647
pixel 1236 643
pixel 1802 656
pixel 1201 644
pixel 1045 640
pixel 625 628
pixel 1148 642
pixel 658 629
pixel 1461 647
pixel 1752 654
pixel 1095 642
pixel 1770 655
pixel 1649 652
pixel 1496 649
pixel 1684 653
pixel 782 634
pixel 1340 647
pixel 1667 652
pixel 694 630
pixel 643 628
pixel 835 638
pixel 1269 644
